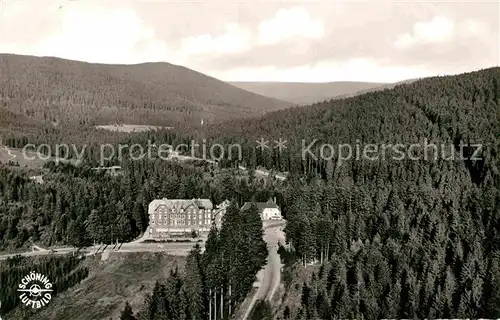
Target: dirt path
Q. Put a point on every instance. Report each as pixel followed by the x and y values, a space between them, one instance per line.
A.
pixel 271 274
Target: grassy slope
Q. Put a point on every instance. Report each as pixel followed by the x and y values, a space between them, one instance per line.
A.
pixel 31 161
pixel 121 277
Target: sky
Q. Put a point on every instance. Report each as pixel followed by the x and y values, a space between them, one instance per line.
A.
pixel 298 41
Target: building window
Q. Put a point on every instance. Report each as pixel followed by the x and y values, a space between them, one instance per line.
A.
pixel 152 222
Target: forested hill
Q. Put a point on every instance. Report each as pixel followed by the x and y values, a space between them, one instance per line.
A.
pixel 397 239
pixel 53 89
pixel 442 109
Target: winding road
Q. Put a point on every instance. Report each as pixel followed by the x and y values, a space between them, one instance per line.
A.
pixel 270 275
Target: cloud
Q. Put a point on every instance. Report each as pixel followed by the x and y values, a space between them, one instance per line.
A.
pixel 94 33
pixel 439 29
pixel 445 38
pixel 23 22
pixel 98 34
pixel 473 28
pixel 235 39
pixel 278 40
pixel 444 44
pixel 294 23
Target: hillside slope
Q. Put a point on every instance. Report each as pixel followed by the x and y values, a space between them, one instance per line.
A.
pixel 416 236
pixel 306 93
pixel 113 280
pixel 444 109
pixel 53 89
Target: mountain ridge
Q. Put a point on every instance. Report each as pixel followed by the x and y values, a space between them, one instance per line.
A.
pixel 56 89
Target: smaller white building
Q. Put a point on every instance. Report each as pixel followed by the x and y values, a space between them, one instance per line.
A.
pixel 37 179
pixel 268 210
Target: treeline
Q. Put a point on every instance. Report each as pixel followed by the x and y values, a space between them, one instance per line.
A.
pixel 215 282
pixel 422 242
pixel 394 238
pixel 77 205
pixel 62 272
pixel 442 110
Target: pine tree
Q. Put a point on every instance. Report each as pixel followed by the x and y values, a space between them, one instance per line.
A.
pixel 492 289
pixel 77 236
pixel 127 313
pixel 193 284
pixel 262 311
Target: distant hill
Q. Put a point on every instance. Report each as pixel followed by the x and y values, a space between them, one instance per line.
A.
pixel 377 88
pixel 68 92
pixel 307 93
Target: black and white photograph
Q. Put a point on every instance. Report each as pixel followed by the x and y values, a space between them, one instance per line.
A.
pixel 249 159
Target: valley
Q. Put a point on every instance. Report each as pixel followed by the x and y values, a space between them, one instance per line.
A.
pixel 308 93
